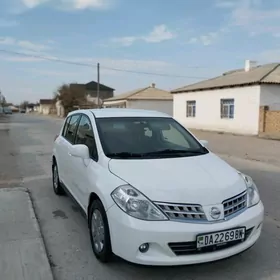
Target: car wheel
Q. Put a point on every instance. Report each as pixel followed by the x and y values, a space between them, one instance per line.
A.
pixel 99 232
pixel 58 189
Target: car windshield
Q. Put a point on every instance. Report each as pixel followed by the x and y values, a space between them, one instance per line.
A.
pixel 139 137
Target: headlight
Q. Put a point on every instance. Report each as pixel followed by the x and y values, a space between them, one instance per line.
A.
pixel 253 193
pixel 135 204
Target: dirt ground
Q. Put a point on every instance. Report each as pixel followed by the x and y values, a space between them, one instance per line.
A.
pixel 247 147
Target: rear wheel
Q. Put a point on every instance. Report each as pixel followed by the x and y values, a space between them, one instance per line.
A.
pixel 99 232
pixel 58 189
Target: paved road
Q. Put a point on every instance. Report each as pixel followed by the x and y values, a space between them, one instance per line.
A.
pixel 25 155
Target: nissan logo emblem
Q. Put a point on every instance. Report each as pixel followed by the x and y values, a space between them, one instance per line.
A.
pixel 215 213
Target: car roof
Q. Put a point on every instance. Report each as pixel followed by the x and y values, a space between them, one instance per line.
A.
pixel 122 112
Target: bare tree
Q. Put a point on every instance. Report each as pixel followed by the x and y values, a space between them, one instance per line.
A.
pixel 24 104
pixel 70 97
pixel 3 101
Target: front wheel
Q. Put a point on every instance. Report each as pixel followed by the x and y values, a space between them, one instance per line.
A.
pixel 58 189
pixel 99 232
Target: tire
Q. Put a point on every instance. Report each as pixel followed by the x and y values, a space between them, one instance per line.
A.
pixel 102 250
pixel 57 188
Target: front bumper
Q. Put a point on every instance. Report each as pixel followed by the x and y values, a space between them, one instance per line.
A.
pixel 128 233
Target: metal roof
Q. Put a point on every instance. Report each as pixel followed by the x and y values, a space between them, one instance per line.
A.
pixel 262 74
pixel 147 93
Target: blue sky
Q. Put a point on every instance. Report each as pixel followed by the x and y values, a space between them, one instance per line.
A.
pixel 191 38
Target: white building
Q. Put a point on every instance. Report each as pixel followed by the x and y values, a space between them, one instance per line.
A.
pixel 148 98
pixel 231 102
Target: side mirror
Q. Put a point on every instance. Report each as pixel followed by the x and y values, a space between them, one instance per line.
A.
pixel 204 143
pixel 80 151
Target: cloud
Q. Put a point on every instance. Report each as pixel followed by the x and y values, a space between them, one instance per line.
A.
pixel 32 46
pixel 7 41
pixel 15 58
pixel 26 45
pixel 38 71
pixel 208 38
pixel 159 34
pixel 272 55
pixel 225 4
pixel 68 4
pixel 8 23
pixel 252 16
pixel 33 3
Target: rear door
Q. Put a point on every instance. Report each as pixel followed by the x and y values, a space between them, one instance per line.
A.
pixel 66 160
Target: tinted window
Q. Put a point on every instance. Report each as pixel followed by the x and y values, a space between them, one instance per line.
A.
pixel 65 126
pixel 71 129
pixel 174 136
pixel 85 136
pixel 146 137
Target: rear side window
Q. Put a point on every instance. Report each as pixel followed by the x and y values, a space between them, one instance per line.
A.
pixel 85 136
pixel 71 128
pixel 66 126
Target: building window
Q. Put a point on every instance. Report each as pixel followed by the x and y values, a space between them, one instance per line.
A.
pixel 227 108
pixel 191 108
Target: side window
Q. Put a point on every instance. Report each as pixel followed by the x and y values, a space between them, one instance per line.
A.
pixel 66 124
pixel 173 136
pixel 71 129
pixel 85 136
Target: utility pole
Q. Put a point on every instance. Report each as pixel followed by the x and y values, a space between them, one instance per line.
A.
pixel 98 85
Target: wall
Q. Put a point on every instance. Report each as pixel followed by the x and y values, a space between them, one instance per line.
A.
pixel 270 96
pixel 164 106
pixel 102 94
pixel 115 104
pixel 45 109
pixel 246 110
pixel 269 121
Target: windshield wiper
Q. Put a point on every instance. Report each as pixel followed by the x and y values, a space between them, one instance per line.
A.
pixel 124 155
pixel 175 152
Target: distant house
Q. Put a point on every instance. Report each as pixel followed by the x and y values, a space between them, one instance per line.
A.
pixel 46 106
pixel 89 91
pixel 148 98
pixel 232 102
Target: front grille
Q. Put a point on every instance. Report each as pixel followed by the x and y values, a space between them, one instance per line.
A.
pixel 235 204
pixel 182 211
pixel 189 248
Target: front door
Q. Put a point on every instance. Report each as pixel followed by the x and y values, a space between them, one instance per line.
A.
pixel 66 160
pixel 82 171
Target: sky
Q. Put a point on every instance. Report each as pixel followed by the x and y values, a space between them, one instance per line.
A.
pixel 171 43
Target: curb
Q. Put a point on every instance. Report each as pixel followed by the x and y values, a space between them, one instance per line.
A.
pixel 34 217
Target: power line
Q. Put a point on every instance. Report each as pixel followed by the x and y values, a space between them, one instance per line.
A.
pixel 52 59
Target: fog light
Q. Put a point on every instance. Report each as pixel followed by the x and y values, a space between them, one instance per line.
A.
pixel 144 247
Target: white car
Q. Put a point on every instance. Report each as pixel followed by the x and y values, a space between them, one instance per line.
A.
pixel 153 194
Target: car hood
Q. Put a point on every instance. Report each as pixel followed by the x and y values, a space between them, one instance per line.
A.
pixel 204 179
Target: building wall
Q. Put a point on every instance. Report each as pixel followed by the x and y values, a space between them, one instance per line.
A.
pixel 115 104
pixel 45 109
pixel 164 106
pixel 208 110
pixel 270 96
pixel 102 94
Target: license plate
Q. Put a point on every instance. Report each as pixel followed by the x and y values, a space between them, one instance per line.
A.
pixel 221 237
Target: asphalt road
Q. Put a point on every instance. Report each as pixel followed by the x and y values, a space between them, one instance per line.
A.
pixel 25 159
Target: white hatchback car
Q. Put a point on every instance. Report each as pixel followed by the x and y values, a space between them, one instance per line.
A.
pixel 153 194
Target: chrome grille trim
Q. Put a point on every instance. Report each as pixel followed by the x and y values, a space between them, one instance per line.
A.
pixel 183 212
pixel 234 205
